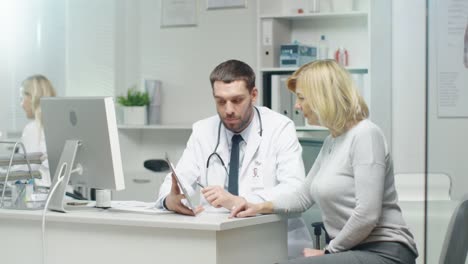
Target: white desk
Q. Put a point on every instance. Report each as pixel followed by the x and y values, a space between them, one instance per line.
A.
pixel 92 236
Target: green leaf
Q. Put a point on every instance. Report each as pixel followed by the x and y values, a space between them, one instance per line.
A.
pixel 134 98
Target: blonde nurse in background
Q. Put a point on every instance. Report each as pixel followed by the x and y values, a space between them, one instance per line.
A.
pixel 32 89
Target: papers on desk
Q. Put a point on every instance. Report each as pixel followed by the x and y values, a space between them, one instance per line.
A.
pixel 137 207
pixel 19 159
pixel 20 175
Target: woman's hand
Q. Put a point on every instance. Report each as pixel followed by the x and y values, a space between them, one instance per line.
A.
pixel 244 209
pixel 311 252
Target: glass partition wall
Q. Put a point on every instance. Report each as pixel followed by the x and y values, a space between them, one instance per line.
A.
pixel 446 127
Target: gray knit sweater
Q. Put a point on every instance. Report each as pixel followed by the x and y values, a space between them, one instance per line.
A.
pixel 352 183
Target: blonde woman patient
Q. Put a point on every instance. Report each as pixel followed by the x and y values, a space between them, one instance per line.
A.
pixel 31 91
pixel 352 179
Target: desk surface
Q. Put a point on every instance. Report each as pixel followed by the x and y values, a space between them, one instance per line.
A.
pixel 203 221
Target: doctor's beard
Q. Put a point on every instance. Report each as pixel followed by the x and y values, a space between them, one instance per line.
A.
pixel 244 122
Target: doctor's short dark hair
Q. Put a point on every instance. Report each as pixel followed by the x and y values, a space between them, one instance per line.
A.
pixel 233 70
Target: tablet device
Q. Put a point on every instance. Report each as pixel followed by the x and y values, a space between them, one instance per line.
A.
pixel 181 186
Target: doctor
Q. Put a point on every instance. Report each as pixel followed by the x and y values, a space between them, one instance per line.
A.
pixel 244 151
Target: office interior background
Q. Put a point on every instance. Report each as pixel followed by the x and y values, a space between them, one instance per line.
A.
pixel 101 48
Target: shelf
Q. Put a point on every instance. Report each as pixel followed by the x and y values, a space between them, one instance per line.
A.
pixel 353 70
pixel 156 127
pixel 312 133
pixel 311 128
pixel 316 15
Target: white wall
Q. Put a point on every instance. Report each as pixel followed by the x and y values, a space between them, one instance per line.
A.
pixel 90 47
pixel 184 57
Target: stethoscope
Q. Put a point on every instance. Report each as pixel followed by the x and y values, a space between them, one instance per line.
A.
pixel 215 154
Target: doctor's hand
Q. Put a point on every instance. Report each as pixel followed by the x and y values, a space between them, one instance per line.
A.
pixel 218 197
pixel 174 200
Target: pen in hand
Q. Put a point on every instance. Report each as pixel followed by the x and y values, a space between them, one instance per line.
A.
pixel 201 185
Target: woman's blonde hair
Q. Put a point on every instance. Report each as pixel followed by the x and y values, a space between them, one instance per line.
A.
pixel 331 94
pixel 37 86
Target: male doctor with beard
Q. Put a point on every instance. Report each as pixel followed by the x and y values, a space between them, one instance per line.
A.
pixel 244 151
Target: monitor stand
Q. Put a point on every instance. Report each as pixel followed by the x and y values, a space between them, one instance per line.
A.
pixel 62 175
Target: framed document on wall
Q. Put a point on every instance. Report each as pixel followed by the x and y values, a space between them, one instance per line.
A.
pixel 178 13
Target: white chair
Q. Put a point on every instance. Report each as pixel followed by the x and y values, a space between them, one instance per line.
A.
pixel 411 186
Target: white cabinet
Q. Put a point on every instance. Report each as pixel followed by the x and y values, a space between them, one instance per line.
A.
pixel 362 27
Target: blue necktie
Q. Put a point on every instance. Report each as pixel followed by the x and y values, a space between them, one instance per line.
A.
pixel 233 186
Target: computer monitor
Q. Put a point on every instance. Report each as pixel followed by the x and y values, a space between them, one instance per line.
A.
pixel 81 134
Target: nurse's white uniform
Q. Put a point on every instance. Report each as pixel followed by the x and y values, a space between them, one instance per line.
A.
pixel 34 141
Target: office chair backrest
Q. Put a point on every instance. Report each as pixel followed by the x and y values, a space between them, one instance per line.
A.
pixel 455 245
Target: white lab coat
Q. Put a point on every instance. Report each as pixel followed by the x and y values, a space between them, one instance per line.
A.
pixel 34 141
pixel 272 166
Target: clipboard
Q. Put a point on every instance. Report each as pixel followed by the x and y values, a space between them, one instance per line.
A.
pixel 181 186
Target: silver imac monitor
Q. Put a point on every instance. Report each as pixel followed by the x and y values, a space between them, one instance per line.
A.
pixel 82 144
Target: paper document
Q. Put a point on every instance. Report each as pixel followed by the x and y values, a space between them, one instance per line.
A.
pixel 19 159
pixel 137 207
pixel 20 175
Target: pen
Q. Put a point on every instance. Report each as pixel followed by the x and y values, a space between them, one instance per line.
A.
pixel 201 185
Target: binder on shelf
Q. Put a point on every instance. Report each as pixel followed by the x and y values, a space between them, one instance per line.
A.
pixel 280 96
pixel 283 101
pixel 274 32
pixel 297 116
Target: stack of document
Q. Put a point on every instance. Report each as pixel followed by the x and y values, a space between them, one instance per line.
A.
pixel 20 175
pixel 137 207
pixel 20 159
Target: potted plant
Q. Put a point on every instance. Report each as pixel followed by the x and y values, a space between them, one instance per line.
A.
pixel 134 106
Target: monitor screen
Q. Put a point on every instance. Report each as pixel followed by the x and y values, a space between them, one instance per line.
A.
pixel 91 121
